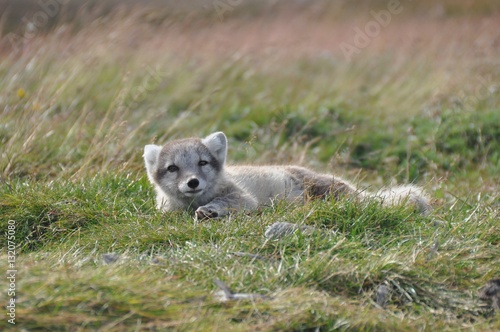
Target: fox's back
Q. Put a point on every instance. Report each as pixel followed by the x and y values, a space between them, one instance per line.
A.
pixel 267 183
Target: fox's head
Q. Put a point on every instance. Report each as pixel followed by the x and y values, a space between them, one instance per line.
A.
pixel 187 168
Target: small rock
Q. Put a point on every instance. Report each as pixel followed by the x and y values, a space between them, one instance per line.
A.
pixel 110 258
pixel 279 230
pixel 491 293
pixel 383 294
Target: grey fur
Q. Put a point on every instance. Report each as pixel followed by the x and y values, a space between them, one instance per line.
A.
pixel 192 174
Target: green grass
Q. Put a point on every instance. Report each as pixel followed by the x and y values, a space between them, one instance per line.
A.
pixel 167 264
pixel 77 107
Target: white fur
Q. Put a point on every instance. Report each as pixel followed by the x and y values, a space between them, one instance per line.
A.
pixel 217 144
pixel 266 183
pixel 151 153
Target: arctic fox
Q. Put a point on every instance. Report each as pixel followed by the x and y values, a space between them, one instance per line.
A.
pixel 191 174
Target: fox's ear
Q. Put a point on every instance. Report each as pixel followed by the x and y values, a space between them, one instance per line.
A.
pixel 151 153
pixel 217 144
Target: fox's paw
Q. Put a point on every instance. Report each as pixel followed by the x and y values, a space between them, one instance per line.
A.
pixel 206 212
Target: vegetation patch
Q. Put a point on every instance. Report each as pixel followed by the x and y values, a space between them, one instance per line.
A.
pixel 81 97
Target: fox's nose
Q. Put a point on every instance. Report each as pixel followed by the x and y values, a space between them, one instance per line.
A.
pixel 193 183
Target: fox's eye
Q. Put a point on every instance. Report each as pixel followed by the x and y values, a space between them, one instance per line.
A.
pixel 203 163
pixel 172 168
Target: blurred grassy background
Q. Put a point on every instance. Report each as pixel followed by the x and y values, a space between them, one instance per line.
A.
pixel 100 79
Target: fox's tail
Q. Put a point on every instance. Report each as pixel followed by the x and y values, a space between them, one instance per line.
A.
pixel 407 194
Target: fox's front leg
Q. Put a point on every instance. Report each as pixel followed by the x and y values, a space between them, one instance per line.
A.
pixel 209 211
pixel 222 206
